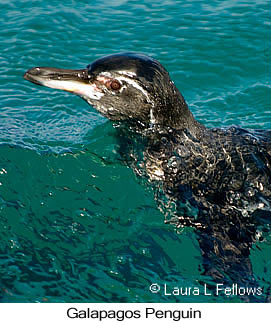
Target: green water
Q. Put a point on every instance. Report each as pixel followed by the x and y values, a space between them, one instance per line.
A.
pixel 76 225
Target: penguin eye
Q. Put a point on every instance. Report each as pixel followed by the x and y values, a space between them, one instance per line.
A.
pixel 114 85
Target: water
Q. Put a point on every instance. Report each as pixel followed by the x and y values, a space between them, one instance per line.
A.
pixel 76 225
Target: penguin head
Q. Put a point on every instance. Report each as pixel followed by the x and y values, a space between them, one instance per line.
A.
pixel 125 86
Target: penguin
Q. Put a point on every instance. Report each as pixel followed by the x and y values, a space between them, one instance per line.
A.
pixel 218 179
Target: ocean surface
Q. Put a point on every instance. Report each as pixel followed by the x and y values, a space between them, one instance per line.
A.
pixel 76 224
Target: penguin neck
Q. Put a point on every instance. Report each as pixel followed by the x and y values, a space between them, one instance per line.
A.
pixel 173 112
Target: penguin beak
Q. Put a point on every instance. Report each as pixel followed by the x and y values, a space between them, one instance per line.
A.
pixel 76 81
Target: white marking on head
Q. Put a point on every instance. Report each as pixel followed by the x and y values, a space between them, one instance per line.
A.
pixel 135 85
pixel 103 78
pixel 130 74
pixel 107 74
pixel 152 118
